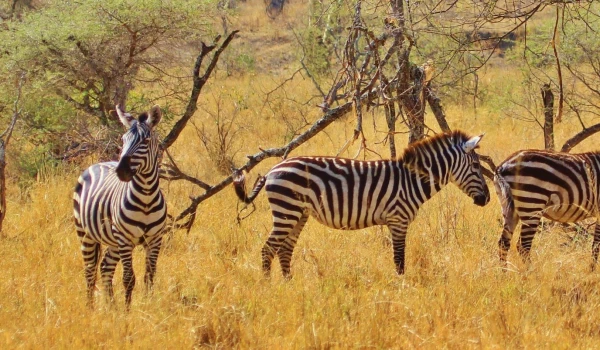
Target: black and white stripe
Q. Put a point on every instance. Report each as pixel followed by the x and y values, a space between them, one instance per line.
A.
pixel 349 194
pixel 120 205
pixel 532 184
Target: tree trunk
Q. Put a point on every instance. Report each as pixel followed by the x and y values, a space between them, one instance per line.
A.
pixel 2 182
pixel 548 99
pixel 436 108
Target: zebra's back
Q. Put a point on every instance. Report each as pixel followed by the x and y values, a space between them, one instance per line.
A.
pixel 340 193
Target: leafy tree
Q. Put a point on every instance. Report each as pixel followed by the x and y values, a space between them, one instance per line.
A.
pixel 83 58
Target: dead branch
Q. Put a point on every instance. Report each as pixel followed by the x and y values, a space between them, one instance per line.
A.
pixel 579 137
pixel 173 173
pixel 199 81
pixel 189 214
pixel 558 69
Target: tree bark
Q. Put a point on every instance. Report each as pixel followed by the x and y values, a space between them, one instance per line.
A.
pixel 548 98
pixel 436 107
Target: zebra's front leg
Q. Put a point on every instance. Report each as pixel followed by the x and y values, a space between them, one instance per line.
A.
pixel 595 246
pixel 107 269
pixel 125 250
pixel 152 250
pixel 91 254
pixel 398 231
pixel 286 250
pixel 528 230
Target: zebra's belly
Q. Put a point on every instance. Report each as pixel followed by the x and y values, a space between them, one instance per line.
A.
pixel 346 223
pixel 567 213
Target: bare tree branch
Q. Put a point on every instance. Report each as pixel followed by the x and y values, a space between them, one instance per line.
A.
pixel 579 137
pixel 318 126
pixel 199 82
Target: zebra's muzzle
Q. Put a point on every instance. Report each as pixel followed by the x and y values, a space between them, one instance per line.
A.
pixel 481 200
pixel 123 170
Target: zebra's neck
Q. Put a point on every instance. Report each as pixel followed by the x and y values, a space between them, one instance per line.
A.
pixel 146 181
pixel 427 184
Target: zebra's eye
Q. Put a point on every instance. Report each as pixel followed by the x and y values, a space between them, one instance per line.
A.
pixel 476 166
pixel 146 141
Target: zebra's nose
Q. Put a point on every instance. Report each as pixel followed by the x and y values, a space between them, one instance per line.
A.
pixel 123 170
pixel 481 200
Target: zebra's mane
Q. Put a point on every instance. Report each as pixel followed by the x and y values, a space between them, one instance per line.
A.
pixel 414 155
pixel 416 149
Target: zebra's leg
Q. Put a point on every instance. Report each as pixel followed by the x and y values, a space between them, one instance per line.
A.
pixel 398 231
pixel 152 250
pixel 528 230
pixel 283 225
pixel 125 250
pixel 107 268
pixel 596 246
pixel 91 254
pixel 508 228
pixel 287 247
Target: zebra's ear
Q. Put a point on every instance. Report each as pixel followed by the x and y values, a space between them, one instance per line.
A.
pixel 126 118
pixel 154 116
pixel 472 143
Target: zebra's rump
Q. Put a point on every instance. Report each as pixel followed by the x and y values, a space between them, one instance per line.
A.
pixel 558 186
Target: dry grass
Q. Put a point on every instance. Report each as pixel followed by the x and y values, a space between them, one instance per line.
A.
pixel 210 290
pixel 345 294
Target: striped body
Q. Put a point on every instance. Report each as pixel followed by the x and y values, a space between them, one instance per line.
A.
pixel 120 205
pixel 532 184
pixel 349 194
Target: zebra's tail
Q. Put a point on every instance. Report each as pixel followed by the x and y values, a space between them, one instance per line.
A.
pixel 239 184
pixel 503 191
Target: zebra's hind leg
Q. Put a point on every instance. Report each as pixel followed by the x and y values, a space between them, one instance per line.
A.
pixel 125 250
pixel 107 269
pixel 152 250
pixel 283 225
pixel 286 250
pixel 508 228
pixel 596 246
pixel 398 232
pixel 528 230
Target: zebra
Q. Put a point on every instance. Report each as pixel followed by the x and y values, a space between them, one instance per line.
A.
pixel 351 194
pixel 120 205
pixel 532 184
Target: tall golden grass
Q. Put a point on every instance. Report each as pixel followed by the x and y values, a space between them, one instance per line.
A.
pixel 210 291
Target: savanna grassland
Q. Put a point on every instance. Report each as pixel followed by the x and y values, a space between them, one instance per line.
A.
pixel 210 290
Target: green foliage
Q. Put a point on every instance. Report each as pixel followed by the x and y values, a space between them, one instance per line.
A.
pixel 82 58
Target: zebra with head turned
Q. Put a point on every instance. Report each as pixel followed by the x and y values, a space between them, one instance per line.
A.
pixel 532 184
pixel 120 205
pixel 349 194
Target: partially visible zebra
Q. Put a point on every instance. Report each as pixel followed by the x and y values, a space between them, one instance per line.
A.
pixel 532 184
pixel 119 204
pixel 350 194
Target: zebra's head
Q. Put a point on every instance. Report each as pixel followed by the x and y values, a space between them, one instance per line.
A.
pixel 466 172
pixel 140 151
pixel 450 157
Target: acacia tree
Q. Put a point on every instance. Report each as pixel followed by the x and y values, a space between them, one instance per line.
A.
pixel 88 56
